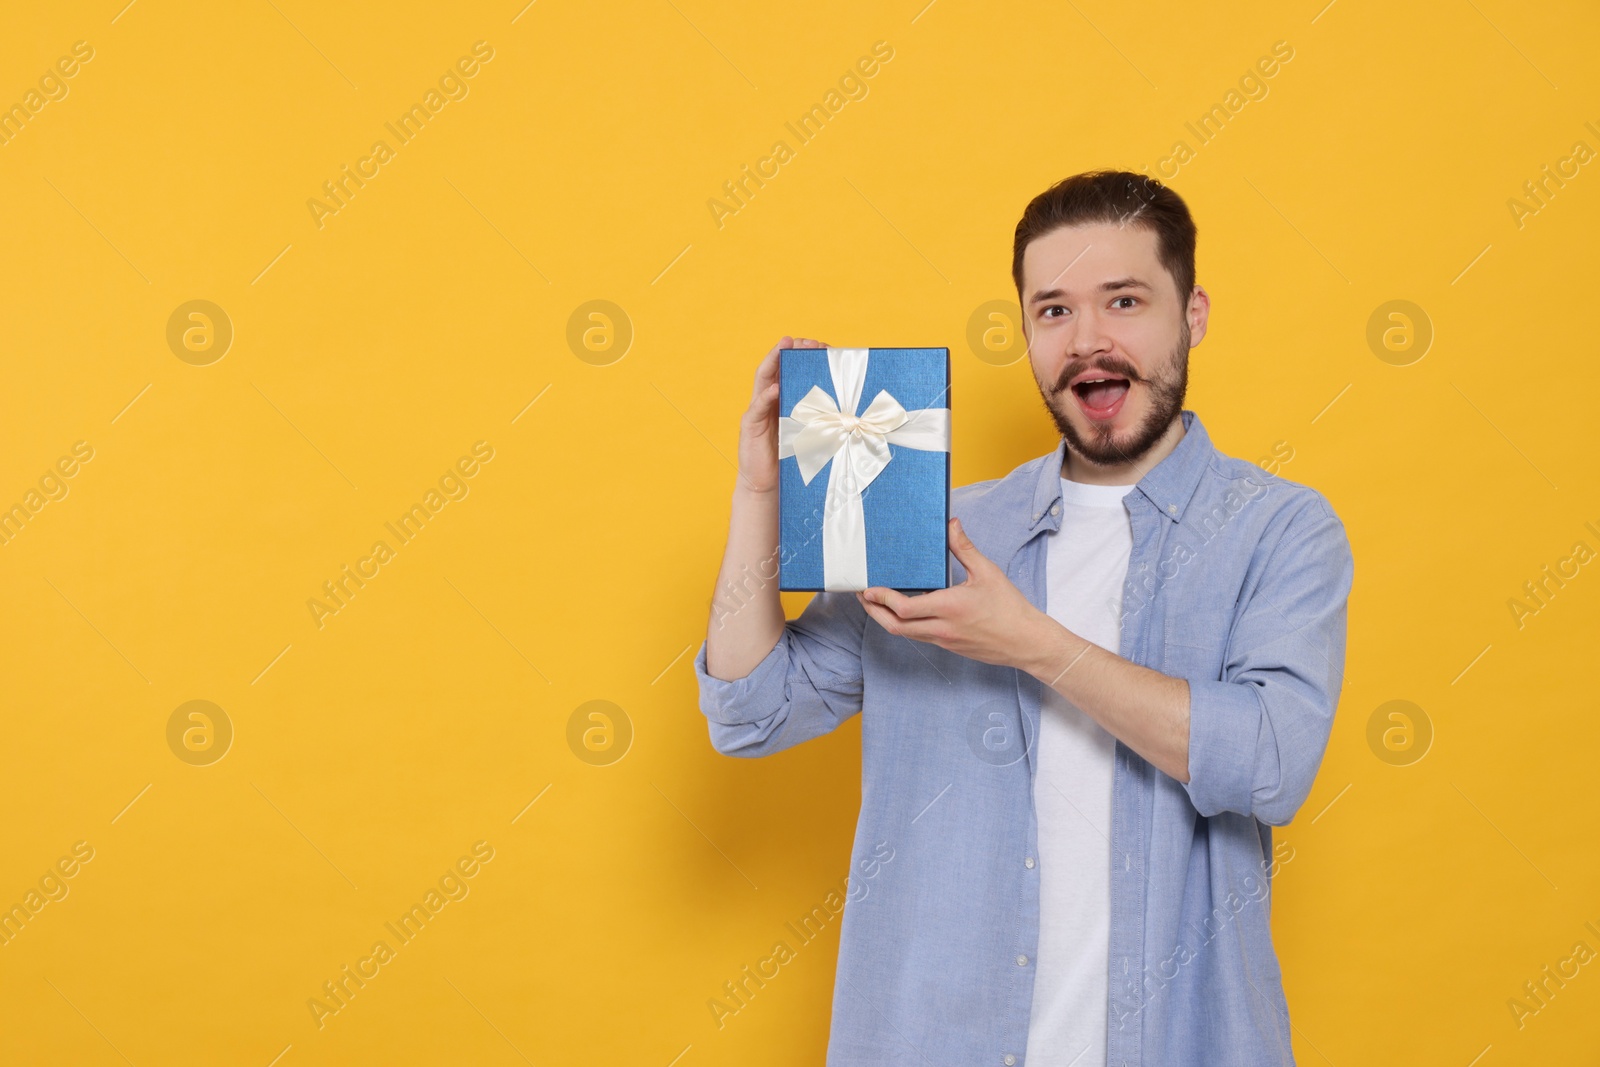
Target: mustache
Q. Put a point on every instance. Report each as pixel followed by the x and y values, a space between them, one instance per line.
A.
pixel 1110 367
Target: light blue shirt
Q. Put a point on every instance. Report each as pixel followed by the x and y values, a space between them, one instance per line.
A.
pixel 1238 582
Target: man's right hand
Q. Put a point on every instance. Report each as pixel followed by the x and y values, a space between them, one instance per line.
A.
pixel 758 430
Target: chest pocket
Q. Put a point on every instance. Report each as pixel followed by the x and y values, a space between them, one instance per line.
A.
pixel 1196 643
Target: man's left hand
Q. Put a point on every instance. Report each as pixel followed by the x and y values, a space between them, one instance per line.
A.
pixel 984 618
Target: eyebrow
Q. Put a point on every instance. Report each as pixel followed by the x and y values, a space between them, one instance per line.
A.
pixel 1105 287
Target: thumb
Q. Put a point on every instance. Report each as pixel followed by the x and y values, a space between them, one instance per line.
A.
pixel 961 545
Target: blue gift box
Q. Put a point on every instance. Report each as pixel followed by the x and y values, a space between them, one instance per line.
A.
pixel 879 473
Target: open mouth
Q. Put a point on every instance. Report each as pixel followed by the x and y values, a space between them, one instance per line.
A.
pixel 1102 397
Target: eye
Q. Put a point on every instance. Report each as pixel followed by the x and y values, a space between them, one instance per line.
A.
pixel 1133 298
pixel 1053 307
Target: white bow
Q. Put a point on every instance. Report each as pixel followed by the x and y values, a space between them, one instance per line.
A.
pixel 819 430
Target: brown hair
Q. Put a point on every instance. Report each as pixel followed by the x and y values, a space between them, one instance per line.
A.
pixel 1122 197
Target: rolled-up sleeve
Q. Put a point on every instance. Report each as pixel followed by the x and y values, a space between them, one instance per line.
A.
pixel 1258 735
pixel 805 687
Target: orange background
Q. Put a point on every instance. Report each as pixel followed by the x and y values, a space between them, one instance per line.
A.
pixel 435 310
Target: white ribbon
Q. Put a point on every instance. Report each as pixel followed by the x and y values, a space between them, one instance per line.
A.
pixel 819 430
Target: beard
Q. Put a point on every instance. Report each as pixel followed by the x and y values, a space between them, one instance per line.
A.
pixel 1101 445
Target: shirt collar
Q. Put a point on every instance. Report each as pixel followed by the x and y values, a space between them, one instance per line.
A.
pixel 1168 485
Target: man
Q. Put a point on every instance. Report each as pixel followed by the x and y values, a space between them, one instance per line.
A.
pixel 1076 754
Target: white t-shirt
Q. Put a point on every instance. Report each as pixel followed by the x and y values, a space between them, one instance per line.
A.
pixel 1086 565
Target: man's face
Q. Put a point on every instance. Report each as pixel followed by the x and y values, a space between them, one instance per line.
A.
pixel 1098 304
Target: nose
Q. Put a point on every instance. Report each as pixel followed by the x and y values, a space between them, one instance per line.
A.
pixel 1089 337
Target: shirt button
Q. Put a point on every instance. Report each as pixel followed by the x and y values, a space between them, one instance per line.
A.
pixel 1028 863
pixel 1172 509
pixel 1010 1060
pixel 1035 516
pixel 1055 509
pixel 1022 961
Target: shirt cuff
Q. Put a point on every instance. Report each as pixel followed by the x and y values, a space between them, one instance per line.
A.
pixel 753 698
pixel 1225 721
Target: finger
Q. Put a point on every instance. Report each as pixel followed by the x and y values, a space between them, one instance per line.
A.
pixel 887 619
pixel 879 614
pixel 761 405
pixel 760 414
pixel 965 551
pixel 912 629
pixel 922 606
pixel 767 371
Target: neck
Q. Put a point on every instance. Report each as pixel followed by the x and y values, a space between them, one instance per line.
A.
pixel 1076 468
